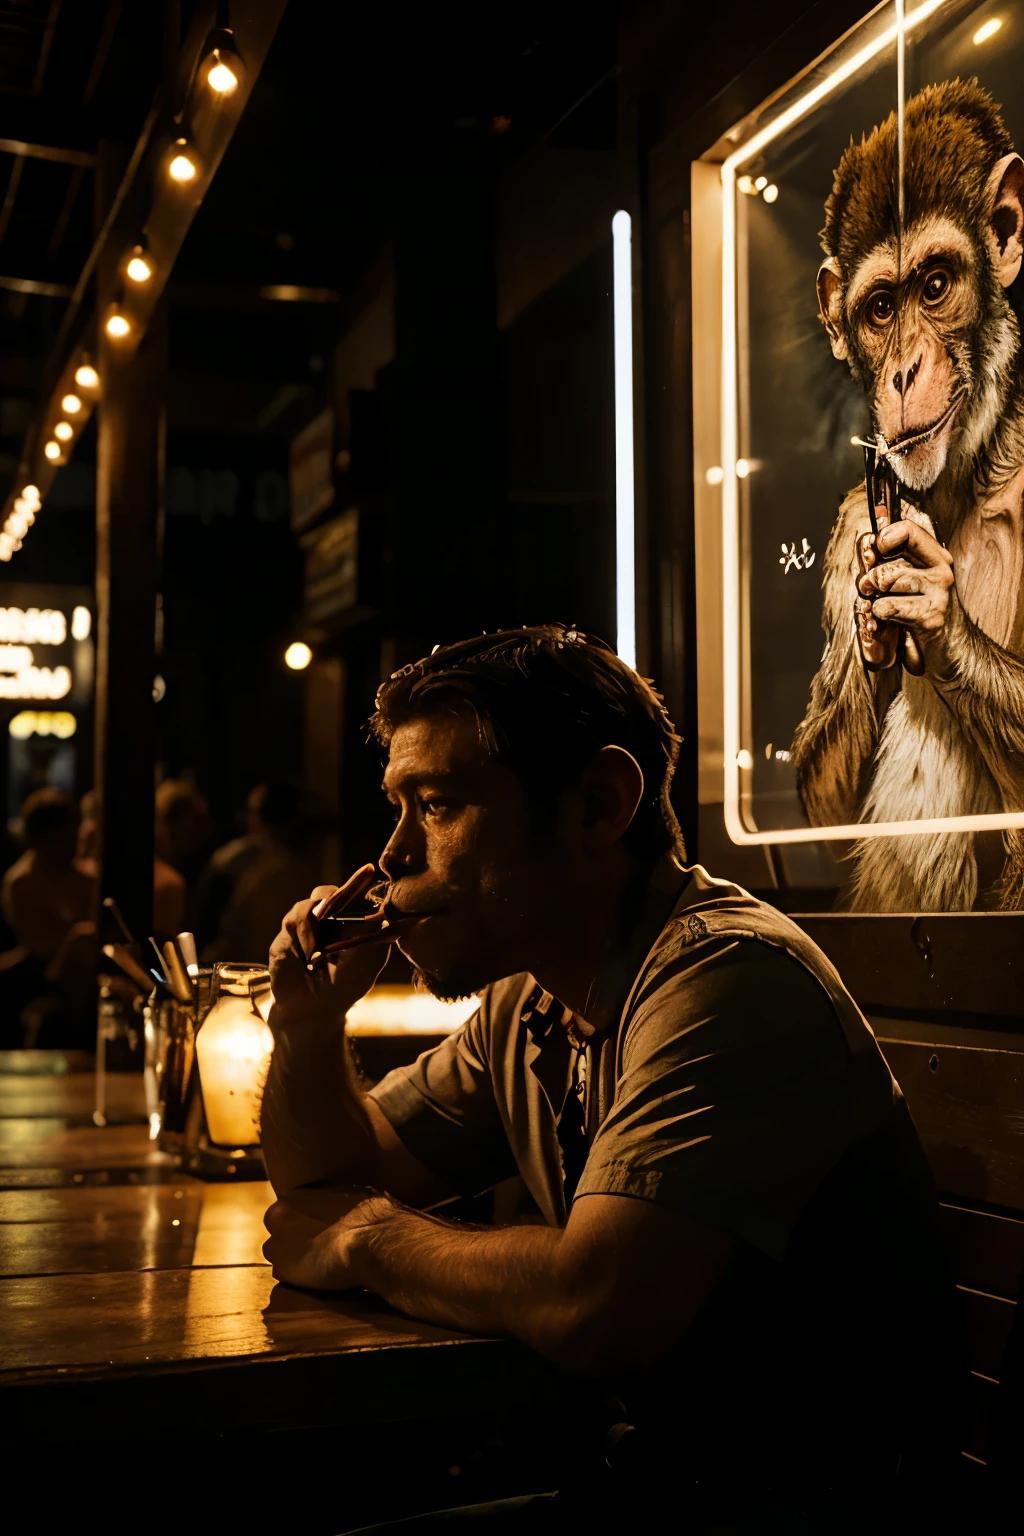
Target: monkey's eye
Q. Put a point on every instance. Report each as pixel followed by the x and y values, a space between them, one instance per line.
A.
pixel 936 286
pixel 881 307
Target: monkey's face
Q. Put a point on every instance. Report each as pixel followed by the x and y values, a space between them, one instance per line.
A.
pixel 910 333
pixel 927 330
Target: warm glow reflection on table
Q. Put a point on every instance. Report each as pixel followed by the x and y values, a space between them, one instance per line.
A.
pixel 391 1010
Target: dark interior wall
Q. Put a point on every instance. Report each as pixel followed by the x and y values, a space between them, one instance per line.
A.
pixel 232 595
pixel 490 432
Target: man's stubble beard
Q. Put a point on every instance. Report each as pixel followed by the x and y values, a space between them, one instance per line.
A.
pixel 447 989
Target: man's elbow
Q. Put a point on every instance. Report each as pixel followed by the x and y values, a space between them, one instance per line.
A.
pixel 600 1341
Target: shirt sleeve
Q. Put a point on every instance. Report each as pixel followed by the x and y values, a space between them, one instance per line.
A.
pixel 443 1107
pixel 734 1095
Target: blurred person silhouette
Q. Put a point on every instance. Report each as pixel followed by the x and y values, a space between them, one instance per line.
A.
pixel 48 889
pixel 169 891
pixel 247 876
pixel 183 830
pixel 47 897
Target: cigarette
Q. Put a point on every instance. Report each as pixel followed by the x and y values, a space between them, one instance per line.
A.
pixel 377 936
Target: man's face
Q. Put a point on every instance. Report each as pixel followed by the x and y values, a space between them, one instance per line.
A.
pixel 463 851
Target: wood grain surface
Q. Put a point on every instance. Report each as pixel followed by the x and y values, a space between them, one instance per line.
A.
pixel 96 1229
pixel 164 1317
pixel 52 1143
pixel 135 1299
pixel 72 1097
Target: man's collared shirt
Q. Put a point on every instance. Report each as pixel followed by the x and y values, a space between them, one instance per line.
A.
pixel 727 1074
pixel 724 1071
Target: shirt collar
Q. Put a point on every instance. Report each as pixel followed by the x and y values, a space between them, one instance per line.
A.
pixel 658 899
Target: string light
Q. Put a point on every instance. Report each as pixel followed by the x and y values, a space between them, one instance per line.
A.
pixel 64 431
pixel 117 326
pixel 52 451
pixel 139 268
pixel 222 77
pixel 222 74
pixel 182 168
pixel 71 405
pixel 86 377
pixel 19 520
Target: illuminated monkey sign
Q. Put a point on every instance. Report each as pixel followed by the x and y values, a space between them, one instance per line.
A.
pixel 917 709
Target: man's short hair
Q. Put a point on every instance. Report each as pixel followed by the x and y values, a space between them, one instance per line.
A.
pixel 546 698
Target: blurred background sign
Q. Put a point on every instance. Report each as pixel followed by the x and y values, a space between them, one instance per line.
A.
pixel 310 470
pixel 332 567
pixel 47 662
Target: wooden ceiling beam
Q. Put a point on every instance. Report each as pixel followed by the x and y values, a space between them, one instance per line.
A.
pixel 27 151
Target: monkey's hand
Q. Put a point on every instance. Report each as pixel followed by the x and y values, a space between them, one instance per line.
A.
pixel 877 638
pixel 911 583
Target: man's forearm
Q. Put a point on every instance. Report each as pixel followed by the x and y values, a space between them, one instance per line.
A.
pixel 504 1280
pixel 313 1124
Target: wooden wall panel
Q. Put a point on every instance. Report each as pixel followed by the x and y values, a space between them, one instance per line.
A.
pixel 968 1106
pixel 964 962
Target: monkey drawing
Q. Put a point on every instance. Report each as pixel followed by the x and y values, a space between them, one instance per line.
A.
pixel 921 313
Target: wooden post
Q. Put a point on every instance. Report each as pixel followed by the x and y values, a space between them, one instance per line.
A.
pixel 129 494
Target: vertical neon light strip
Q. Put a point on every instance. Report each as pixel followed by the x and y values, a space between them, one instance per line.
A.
pixel 625 522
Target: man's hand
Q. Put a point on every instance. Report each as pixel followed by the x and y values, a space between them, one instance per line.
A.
pixel 910 582
pixel 333 988
pixel 316 1236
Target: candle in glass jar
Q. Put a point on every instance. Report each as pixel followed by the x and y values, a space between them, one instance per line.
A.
pixel 233 1048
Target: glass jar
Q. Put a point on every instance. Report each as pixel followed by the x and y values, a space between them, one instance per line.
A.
pixel 233 1049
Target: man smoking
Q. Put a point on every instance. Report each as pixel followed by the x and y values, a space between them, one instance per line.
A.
pixel 739 1223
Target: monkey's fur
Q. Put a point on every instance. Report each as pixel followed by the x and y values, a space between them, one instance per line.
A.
pixel 886 745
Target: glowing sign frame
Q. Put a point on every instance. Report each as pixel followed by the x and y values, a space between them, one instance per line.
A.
pixel 731 526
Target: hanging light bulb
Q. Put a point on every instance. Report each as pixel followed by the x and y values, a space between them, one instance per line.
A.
pixel 225 66
pixel 139 267
pixel 86 377
pixel 222 77
pixel 182 167
pixel 71 405
pixel 64 431
pixel 117 325
pixel 52 451
pixel 32 496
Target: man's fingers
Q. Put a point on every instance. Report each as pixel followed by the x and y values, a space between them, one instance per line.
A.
pixel 342 896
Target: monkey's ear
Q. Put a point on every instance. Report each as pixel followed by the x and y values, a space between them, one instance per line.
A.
pixel 830 304
pixel 1005 231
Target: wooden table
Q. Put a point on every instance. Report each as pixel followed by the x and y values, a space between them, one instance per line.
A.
pixel 135 1299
